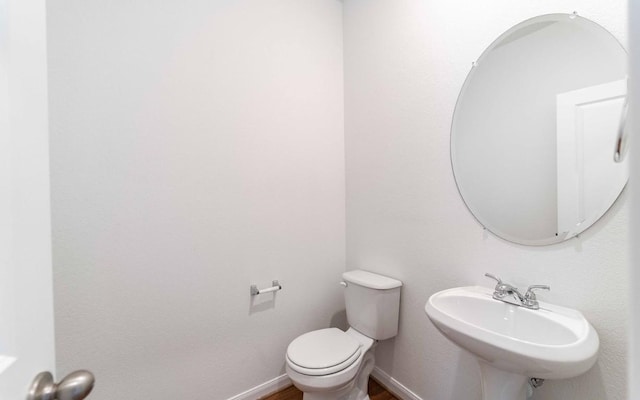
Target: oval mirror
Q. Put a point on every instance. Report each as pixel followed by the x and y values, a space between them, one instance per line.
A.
pixel 535 128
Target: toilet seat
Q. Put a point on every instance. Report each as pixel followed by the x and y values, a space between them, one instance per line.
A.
pixel 323 352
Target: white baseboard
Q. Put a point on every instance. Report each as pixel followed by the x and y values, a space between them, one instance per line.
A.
pixel 265 389
pixel 393 385
pixel 283 381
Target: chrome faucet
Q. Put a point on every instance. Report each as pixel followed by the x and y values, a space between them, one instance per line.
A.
pixel 510 294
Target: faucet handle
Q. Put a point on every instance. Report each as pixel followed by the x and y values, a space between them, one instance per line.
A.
pixel 530 300
pixel 488 275
pixel 531 295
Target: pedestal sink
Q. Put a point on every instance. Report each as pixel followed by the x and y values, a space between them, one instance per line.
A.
pixel 512 343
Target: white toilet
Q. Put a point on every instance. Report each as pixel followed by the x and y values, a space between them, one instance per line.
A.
pixel 329 364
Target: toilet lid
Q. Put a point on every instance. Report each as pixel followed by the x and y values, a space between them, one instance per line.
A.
pixel 323 351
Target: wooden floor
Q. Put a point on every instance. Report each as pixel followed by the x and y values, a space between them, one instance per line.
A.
pixel 376 392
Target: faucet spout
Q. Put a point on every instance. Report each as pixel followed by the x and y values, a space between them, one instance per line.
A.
pixel 509 294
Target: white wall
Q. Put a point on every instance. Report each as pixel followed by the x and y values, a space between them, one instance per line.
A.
pixel 197 147
pixel 405 62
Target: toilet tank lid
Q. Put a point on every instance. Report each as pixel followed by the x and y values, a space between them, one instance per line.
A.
pixel 371 280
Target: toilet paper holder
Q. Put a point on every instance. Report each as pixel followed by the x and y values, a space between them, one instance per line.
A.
pixel 275 286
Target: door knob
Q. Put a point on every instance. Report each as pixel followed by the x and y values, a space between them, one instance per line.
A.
pixel 75 386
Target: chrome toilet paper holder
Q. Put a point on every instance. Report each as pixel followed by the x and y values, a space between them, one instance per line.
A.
pixel 275 286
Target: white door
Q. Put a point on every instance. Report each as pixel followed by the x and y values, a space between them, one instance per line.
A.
pixel 26 296
pixel 589 179
pixel 26 303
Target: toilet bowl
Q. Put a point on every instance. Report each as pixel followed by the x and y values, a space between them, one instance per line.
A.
pixel 324 364
pixel 331 364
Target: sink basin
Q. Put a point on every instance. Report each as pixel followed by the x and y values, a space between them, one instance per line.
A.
pixel 512 342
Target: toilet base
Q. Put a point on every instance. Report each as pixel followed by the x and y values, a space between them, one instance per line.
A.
pixel 330 396
pixel 357 389
pixel 349 392
pixel 349 395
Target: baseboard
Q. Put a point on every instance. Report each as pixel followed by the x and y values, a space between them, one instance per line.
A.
pixel 393 386
pixel 265 389
pixel 283 381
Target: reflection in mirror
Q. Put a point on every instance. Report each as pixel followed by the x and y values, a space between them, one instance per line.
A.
pixel 535 128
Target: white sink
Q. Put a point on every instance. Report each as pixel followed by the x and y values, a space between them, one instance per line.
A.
pixel 514 343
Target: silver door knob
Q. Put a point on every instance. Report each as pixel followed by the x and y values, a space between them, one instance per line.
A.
pixel 75 386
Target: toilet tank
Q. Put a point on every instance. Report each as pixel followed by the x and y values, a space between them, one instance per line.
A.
pixel 373 303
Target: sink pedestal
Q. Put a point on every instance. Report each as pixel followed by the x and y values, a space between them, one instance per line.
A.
pixel 501 385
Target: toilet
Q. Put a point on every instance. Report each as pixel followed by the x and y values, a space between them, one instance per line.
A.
pixel 331 364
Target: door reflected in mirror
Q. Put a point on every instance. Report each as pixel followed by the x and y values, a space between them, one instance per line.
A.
pixel 535 127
